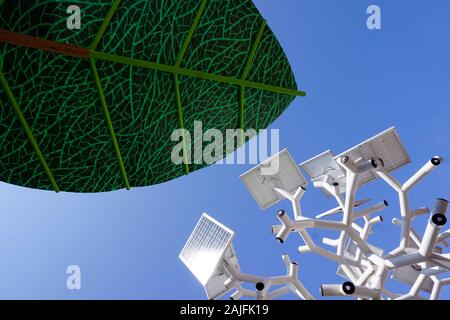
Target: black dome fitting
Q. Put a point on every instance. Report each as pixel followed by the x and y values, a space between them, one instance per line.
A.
pixel 345 159
pixel 373 163
pixel 348 287
pixel 260 286
pixel 281 213
pixel 335 184
pixel 386 203
pixel 435 161
pixel 416 267
pixel 279 240
pixel 439 219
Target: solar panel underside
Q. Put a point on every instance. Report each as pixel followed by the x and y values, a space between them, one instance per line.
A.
pixel 261 180
pixel 385 146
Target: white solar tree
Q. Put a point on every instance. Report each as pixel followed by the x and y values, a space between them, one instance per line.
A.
pixel 419 262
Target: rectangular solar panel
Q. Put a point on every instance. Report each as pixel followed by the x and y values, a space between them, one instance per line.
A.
pixel 386 146
pixel 322 165
pixel 205 248
pixel 261 181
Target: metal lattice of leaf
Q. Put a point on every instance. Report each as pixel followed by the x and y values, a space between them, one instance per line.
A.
pixel 93 109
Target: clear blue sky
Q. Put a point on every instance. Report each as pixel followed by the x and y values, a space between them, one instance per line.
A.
pixel 359 82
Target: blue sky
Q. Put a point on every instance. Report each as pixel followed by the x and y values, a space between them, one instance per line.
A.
pixel 359 82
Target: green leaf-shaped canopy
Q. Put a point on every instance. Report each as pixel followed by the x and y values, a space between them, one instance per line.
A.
pixel 93 109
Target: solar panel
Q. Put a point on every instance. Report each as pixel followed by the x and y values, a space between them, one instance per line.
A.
pixel 323 165
pixel 278 171
pixel 386 146
pixel 205 248
pixel 320 165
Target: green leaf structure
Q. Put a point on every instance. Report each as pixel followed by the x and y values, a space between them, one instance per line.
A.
pixel 93 109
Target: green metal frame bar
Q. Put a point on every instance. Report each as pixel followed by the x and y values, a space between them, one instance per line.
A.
pixel 86 53
pixel 177 82
pixel 241 114
pixel 108 121
pixel 191 33
pixel 180 121
pixel 248 65
pixel 105 24
pixel 251 57
pixel 28 132
pixel 192 73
